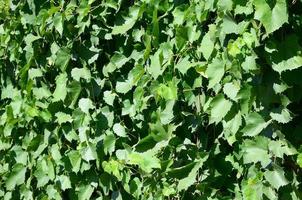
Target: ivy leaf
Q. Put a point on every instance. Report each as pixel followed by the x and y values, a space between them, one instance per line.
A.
pixel 254 125
pixel 215 72
pixel 272 19
pixel 219 108
pixel 16 176
pixel 166 116
pixel 109 143
pixel 89 153
pixel 117 61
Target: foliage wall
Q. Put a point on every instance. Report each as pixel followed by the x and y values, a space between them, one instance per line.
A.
pixel 151 99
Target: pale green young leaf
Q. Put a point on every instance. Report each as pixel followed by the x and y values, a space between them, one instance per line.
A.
pixel 207 46
pixel 231 90
pixel 78 73
pixel 64 182
pixel 109 97
pixel 299 160
pixel 183 65
pixel 254 124
pixel 16 176
pixel 85 104
pixel 63 117
pixel 185 183
pixel 123 87
pixel 62 58
pixel 119 130
pixel 282 116
pixel 256 151
pixel 61 89
pixel 276 177
pixel 219 108
pixel 155 68
pixel 147 161
pixel 58 22
pixel 289 64
pixel 272 19
pixel 215 72
pixel 129 21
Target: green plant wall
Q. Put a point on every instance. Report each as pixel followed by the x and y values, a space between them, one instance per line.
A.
pixel 151 99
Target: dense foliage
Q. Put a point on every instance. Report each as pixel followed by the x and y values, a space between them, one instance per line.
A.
pixel 151 99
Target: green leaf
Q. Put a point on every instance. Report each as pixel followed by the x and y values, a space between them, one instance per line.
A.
pixel 219 108
pixel 117 61
pixel 58 22
pixel 155 67
pixel 299 160
pixel 123 87
pixel 89 153
pixel 62 58
pixel 231 90
pixel 63 117
pixel 85 192
pixel 272 19
pixel 64 182
pixel 109 97
pixel 75 160
pixel 78 73
pixel 207 46
pixel 16 176
pixel 276 177
pixel 109 143
pixel 185 183
pixel 166 116
pixel 282 116
pixel 146 161
pixel 129 21
pixel 183 65
pixel 85 105
pixel 256 151
pixel 231 127
pixel 254 124
pixel 215 72
pixel 119 130
pixel 61 89
pixel 249 63
pixel 168 92
pixel 289 64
